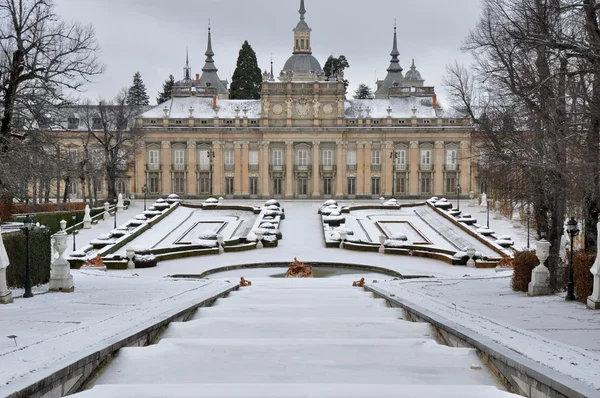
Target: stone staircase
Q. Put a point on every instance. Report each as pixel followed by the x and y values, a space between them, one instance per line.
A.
pixel 297 338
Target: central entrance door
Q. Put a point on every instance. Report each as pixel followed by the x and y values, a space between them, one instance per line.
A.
pixel 327 188
pixel 302 188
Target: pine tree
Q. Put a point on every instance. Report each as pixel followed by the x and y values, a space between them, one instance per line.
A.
pixel 336 66
pixel 247 77
pixel 363 92
pixel 137 94
pixel 167 91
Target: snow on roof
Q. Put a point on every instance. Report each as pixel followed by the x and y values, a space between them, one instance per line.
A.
pixel 401 107
pixel 179 108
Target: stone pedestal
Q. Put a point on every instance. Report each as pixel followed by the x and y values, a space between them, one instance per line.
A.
pixel 540 276
pixel 130 253
pixel 61 279
pixel 497 214
pixel 593 301
pixel 382 239
pixel 471 199
pixel 5 294
pixel 87 218
pixel 471 261
pixel 516 220
pixel 120 204
pixel 106 216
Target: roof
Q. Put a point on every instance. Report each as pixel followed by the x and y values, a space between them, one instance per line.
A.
pixel 401 107
pixel 413 74
pixel 303 63
pixel 179 108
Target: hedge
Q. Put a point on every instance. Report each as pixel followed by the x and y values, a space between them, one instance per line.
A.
pixel 52 220
pixel 523 263
pixel 40 255
pixel 582 277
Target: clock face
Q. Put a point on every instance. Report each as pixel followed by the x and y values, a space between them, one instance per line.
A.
pixel 328 109
pixel 277 109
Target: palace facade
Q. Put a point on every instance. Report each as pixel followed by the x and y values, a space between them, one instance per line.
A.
pixel 303 139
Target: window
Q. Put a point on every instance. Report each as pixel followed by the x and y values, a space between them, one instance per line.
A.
pixel 229 186
pixel 307 44
pixel 98 183
pixel 375 186
pixel 328 186
pixel 401 159
pixel 277 186
pixel 153 159
pixel 73 155
pixel 351 157
pixel 303 157
pixel 426 159
pixel 179 182
pixel 297 43
pixel 73 123
pixel 96 123
pixel 179 160
pixel 121 187
pixel 229 158
pixel 253 158
pixel 351 186
pixel 451 159
pixel 73 189
pixel 451 182
pixel 375 157
pixel 154 183
pixel 328 157
pixel 277 157
pixel 400 183
pixel 205 184
pixel 253 186
pixel 204 159
pixel 426 183
pixel 97 157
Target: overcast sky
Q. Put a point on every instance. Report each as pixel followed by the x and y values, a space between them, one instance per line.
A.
pixel 151 36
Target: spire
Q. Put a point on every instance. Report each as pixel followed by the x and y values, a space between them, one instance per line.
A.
pixel 302 10
pixel 272 75
pixel 187 71
pixel 210 62
pixel 395 62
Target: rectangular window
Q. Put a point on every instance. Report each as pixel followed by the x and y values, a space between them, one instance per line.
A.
pixel 277 157
pixel 351 157
pixel 229 158
pixel 179 183
pixel 73 123
pixel 204 159
pixel 179 159
pixel 229 186
pixel 277 186
pixel 328 186
pixel 426 159
pixel 302 158
pixel 302 44
pixel 302 188
pixel 153 161
pixel 401 160
pixel 154 183
pixel 253 158
pixel 400 187
pixel 351 186
pixel 204 186
pixel 426 183
pixel 253 186
pixel 451 159
pixel 450 182
pixel 375 157
pixel 328 157
pixel 98 182
pixel 375 186
pixel 73 155
pixel 96 123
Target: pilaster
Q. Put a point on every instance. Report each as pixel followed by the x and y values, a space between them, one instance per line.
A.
pixel 413 155
pixel 465 165
pixel 388 173
pixel 341 170
pixel 367 168
pixel 237 182
pixel 289 173
pixel 316 173
pixel 165 160
pixel 244 164
pixel 438 163
pixel 217 169
pixel 192 178
pixel 360 168
pixel 264 169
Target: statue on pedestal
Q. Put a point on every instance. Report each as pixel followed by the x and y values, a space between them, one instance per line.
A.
pixel 87 219
pixel 61 279
pixel 5 294
pixel 593 301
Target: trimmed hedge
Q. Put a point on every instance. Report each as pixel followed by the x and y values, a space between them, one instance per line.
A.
pixel 582 277
pixel 523 263
pixel 52 220
pixel 40 255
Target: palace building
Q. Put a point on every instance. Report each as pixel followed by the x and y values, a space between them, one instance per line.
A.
pixel 303 139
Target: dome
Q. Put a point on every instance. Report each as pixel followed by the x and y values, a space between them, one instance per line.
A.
pixel 413 74
pixel 303 63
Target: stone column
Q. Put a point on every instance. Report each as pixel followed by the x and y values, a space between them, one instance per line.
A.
pixel 316 172
pixel 289 167
pixel 360 169
pixel 165 161
pixel 413 155
pixel 140 167
pixel 340 170
pixel 192 177
pixel 438 162
pixel 367 168
pixel 217 170
pixel 540 276
pixel 388 171
pixel 245 172
pixel 593 301
pixel 237 183
pixel 61 279
pixel 264 170
pixel 465 164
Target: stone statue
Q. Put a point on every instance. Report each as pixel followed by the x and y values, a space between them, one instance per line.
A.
pixel 5 294
pixel 484 202
pixel 87 219
pixel 340 103
pixel 120 204
pixel 266 108
pixel 316 107
pixel 289 102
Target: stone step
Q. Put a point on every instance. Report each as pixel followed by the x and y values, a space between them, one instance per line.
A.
pixel 293 391
pixel 353 361
pixel 294 299
pixel 363 311
pixel 291 327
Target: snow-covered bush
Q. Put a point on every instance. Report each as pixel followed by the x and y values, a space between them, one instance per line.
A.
pixel 267 225
pixel 399 236
pixel 116 234
pixel 485 231
pixel 345 229
pixel 273 207
pixel 140 217
pixel 391 202
pixel 135 223
pixel 161 206
pixel 433 199
pixel 208 235
pixel 326 211
pixel 454 212
pixel 467 219
pixel 330 202
pixel 102 241
pixel 393 243
pixel 160 200
pixel 151 213
pixel 173 198
pixel 272 213
pixel 334 219
pixel 443 204
pixel 272 202
pixel 78 254
pixel 143 258
pixel 505 241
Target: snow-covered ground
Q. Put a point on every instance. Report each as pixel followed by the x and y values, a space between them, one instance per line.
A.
pixel 54 328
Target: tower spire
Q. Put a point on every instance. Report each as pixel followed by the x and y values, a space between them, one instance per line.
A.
pixel 187 71
pixel 272 75
pixel 395 62
pixel 302 10
pixel 210 62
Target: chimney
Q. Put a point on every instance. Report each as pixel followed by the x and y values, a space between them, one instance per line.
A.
pixel 215 102
pixel 197 77
pixel 435 101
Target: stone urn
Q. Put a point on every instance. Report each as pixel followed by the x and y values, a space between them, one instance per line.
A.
pixel 540 276
pixel 382 239
pixel 259 237
pixel 130 253
pixel 471 254
pixel 342 238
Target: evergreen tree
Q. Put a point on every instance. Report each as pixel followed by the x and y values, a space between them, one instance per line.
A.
pixel 336 66
pixel 363 92
pixel 137 94
pixel 247 77
pixel 167 91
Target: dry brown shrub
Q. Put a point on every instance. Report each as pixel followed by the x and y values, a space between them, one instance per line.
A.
pixel 523 263
pixel 583 278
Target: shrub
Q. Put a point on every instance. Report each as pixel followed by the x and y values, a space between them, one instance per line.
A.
pixel 583 278
pixel 143 258
pixel 39 250
pixel 523 264
pixel 52 220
